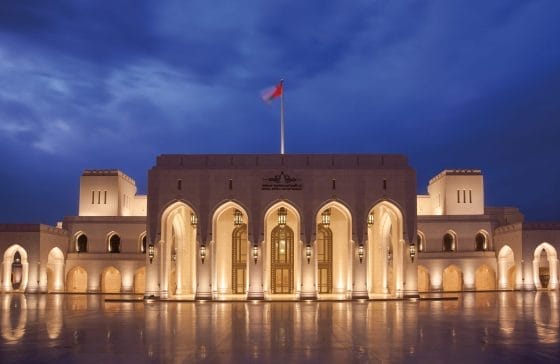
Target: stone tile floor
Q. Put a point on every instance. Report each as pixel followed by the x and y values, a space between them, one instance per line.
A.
pixel 478 327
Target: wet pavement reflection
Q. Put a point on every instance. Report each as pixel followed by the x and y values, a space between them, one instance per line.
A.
pixel 478 327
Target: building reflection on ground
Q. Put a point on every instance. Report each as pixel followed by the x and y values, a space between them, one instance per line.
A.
pixel 266 331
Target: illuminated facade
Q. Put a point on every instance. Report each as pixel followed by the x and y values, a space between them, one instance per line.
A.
pixel 282 227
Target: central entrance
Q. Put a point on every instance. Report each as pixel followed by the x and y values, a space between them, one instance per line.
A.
pixel 239 259
pixel 324 259
pixel 282 262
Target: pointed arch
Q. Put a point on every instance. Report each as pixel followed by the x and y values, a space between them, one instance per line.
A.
pixel 485 278
pixel 230 247
pixel 178 248
pixel 449 241
pixel 423 279
pixel 287 270
pixel 545 266
pixel 111 280
pixel 55 270
pixel 77 280
pixel 333 250
pixel 80 242
pixel 385 249
pixel 140 280
pixel 506 268
pixel 452 278
pixel 16 269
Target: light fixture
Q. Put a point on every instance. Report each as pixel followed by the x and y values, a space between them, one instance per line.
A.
pixel 412 251
pixel 174 255
pixel 151 252
pixel 370 219
pixel 237 218
pixel 194 220
pixel 361 252
pixel 202 253
pixel 255 253
pixel 308 253
pixel 282 216
pixel 389 255
pixel 326 218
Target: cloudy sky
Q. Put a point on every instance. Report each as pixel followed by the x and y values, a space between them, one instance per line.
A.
pixel 113 84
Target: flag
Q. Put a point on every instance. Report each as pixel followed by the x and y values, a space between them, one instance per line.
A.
pixel 273 92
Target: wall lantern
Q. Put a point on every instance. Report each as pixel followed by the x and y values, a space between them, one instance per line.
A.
pixel 237 218
pixel 255 253
pixel 202 253
pixel 389 255
pixel 361 252
pixel 412 251
pixel 326 218
pixel 151 254
pixel 174 255
pixel 308 253
pixel 282 216
pixel 194 220
pixel 370 219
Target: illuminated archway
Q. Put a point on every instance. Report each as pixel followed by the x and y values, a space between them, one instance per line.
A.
pixel 423 279
pixel 485 278
pixel 111 280
pixel 452 279
pixel 385 250
pixel 16 269
pixel 140 280
pixel 76 280
pixel 230 249
pixel 545 267
pixel 55 270
pixel 283 271
pixel 178 251
pixel 332 251
pixel 506 268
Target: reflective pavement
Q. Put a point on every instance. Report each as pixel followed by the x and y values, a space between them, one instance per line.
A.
pixel 478 327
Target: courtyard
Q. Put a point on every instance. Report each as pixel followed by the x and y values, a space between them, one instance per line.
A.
pixel 474 327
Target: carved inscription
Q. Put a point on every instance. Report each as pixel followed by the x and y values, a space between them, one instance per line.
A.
pixel 282 182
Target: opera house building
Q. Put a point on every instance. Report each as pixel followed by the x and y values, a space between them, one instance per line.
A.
pixel 281 227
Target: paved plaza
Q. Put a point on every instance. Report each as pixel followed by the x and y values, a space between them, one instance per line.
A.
pixel 477 327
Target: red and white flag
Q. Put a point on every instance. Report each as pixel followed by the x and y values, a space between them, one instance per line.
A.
pixel 271 93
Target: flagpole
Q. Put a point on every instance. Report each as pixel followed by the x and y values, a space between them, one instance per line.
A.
pixel 282 118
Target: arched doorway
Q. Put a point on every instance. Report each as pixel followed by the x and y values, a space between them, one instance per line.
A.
pixel 230 248
pixel 545 267
pixel 333 251
pixel 76 281
pixel 423 279
pixel 485 279
pixel 282 269
pixel 16 269
pixel 178 251
pixel 55 270
pixel 111 280
pixel 140 280
pixel 385 249
pixel 506 268
pixel 452 279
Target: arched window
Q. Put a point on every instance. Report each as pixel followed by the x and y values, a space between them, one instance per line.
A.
pixel 143 245
pixel 114 244
pixel 449 243
pixel 81 243
pixel 420 242
pixel 480 242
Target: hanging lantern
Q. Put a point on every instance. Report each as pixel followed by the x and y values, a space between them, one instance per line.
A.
pixel 308 253
pixel 194 220
pixel 370 219
pixel 326 218
pixel 255 253
pixel 412 251
pixel 282 216
pixel 202 253
pixel 361 252
pixel 237 218
pixel 151 252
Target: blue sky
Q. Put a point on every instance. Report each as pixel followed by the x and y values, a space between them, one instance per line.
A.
pixel 99 84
